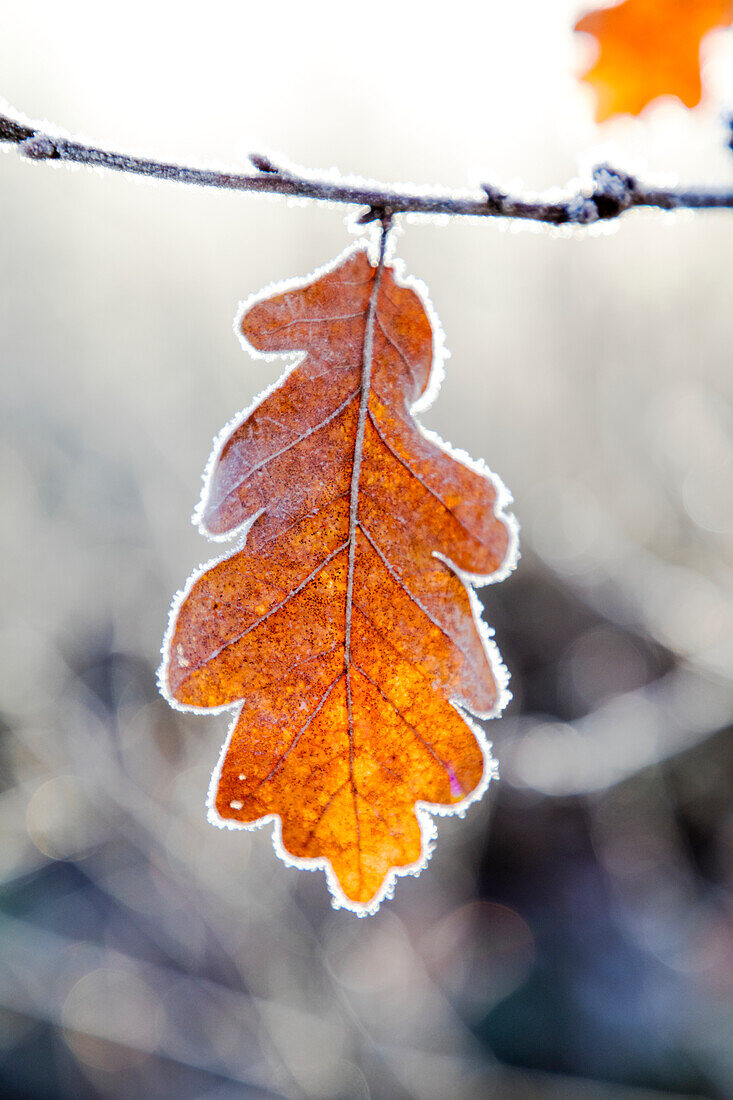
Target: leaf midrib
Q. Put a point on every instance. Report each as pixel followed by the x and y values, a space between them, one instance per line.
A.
pixel 365 387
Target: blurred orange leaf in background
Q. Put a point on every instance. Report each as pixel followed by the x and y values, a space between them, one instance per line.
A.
pixel 345 620
pixel 649 48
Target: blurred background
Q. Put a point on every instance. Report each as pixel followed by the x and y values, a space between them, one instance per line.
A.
pixel 572 936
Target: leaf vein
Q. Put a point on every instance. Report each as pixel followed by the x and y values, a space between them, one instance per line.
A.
pixel 321 704
pixel 273 610
pixel 293 443
pixel 403 462
pixel 402 718
pixel 418 603
pixel 324 811
pixel 314 321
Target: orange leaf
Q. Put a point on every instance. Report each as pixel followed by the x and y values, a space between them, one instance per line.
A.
pixel 649 48
pixel 345 619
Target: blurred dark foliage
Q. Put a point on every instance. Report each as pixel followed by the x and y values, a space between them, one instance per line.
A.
pixel 582 949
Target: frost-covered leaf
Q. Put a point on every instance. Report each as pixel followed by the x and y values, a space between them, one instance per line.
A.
pixel 649 48
pixel 344 623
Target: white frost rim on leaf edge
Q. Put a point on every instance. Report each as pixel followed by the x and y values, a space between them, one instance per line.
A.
pixel 424 811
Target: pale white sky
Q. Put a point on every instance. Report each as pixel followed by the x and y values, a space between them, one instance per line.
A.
pixel 426 91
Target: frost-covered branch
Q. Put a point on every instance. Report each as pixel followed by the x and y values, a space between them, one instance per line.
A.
pixel 610 194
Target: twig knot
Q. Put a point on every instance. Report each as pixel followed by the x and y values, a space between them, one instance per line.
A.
pixel 39 147
pixel 613 190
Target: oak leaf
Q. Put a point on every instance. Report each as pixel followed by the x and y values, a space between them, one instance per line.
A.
pixel 344 626
pixel 649 48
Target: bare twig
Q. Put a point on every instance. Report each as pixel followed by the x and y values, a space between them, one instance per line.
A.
pixel 611 193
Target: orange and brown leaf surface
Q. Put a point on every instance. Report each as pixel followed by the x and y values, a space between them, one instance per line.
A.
pixel 649 48
pixel 344 622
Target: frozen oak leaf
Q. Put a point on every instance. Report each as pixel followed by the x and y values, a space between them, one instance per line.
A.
pixel 344 627
pixel 649 48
